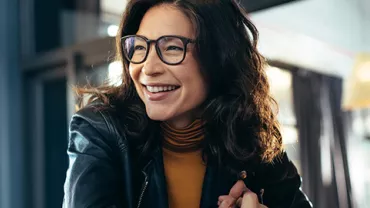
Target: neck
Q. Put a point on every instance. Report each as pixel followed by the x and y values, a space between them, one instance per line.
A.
pixel 184 120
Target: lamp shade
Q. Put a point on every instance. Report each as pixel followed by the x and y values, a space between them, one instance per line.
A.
pixel 357 87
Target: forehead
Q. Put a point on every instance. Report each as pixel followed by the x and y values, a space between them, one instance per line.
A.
pixel 165 20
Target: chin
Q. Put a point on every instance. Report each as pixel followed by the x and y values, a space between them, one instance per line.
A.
pixel 157 115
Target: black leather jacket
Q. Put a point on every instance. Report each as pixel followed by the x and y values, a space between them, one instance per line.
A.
pixel 102 172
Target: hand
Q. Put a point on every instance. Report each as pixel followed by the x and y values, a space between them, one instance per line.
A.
pixel 239 196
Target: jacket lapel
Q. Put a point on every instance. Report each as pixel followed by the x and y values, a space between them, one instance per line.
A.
pixel 210 189
pixel 217 182
pixel 155 194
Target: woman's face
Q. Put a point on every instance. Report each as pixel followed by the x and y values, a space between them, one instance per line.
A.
pixel 180 106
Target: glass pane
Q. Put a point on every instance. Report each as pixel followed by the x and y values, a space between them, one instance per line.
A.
pixel 281 89
pixel 114 73
pixel 358 155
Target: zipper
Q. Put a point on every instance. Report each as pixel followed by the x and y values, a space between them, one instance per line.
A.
pixel 145 184
pixel 262 191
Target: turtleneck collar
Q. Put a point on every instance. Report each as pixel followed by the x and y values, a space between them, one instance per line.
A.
pixel 183 140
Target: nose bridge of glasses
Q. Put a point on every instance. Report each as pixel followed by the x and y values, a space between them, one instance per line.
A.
pixel 152 50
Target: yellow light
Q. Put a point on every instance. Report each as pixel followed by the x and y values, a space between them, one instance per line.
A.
pixel 363 72
pixel 356 91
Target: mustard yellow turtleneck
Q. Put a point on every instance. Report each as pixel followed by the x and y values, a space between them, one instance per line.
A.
pixel 183 164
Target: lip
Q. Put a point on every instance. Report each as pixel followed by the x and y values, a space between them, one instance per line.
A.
pixel 158 96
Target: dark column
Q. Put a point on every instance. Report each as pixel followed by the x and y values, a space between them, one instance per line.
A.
pixel 47 24
pixel 11 144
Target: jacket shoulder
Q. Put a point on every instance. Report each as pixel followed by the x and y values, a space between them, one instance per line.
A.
pixel 282 184
pixel 100 118
pixel 96 150
pixel 279 169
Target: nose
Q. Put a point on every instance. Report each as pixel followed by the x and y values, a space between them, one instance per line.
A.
pixel 153 66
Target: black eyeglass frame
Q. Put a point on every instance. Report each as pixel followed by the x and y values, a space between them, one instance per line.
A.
pixel 184 40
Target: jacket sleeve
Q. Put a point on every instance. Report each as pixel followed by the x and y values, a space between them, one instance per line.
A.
pixel 92 178
pixel 282 185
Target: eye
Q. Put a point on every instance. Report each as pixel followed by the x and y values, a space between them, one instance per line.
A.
pixel 139 47
pixel 175 48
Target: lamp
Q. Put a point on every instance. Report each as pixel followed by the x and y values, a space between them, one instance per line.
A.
pixel 356 94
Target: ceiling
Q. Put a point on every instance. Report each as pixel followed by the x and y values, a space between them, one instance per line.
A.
pixel 257 5
pixel 322 35
pixel 117 6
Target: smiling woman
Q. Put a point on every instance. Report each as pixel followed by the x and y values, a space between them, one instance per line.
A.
pixel 192 122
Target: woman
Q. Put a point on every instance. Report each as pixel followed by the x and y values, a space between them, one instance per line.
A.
pixel 192 124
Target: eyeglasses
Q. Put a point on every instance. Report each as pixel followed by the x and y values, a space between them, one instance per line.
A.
pixel 171 49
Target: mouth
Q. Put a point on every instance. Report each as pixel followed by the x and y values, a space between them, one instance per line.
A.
pixel 159 92
pixel 164 88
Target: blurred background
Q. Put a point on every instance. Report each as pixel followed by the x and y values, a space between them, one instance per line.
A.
pixel 319 57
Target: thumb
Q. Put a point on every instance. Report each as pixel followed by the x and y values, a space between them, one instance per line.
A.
pixel 238 189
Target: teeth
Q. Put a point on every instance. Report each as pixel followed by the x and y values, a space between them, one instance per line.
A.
pixel 160 89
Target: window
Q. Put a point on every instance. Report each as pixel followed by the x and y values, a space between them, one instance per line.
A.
pixel 358 155
pixel 281 90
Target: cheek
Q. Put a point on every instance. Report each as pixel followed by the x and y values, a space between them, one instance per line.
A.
pixel 134 72
pixel 202 90
pixel 195 81
pixel 197 86
pixel 202 87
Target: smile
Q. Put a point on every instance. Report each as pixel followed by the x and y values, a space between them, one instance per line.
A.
pixel 155 89
pixel 159 92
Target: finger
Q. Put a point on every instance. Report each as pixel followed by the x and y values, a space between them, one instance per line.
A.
pixel 237 190
pixel 239 202
pixel 226 201
pixel 223 197
pixel 249 200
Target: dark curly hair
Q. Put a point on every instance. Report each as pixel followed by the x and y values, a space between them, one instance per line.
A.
pixel 240 115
